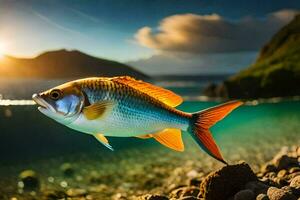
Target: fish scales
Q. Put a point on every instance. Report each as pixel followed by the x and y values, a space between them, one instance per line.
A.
pixel 134 109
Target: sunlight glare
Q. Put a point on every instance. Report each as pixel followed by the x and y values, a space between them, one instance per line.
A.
pixel 2 49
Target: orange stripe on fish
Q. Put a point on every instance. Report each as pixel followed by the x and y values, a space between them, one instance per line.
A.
pixel 166 96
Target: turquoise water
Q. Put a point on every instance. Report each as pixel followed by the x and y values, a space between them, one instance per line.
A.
pixel 26 134
pixel 30 140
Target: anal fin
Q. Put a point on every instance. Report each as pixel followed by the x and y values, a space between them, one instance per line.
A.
pixel 170 138
pixel 101 138
pixel 147 136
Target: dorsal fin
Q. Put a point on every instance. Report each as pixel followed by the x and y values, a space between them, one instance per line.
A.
pixel 166 96
pixel 170 138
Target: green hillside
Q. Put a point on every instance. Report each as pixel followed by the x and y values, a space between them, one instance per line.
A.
pixel 276 72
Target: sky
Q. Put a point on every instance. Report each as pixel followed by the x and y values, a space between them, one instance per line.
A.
pixel 156 37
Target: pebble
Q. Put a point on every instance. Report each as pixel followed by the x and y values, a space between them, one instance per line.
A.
pixel 298 151
pixel 189 198
pixel 192 174
pixel 279 194
pixel 281 173
pixel 177 192
pixel 191 191
pixel 268 167
pixel 279 179
pixel 294 169
pixel 284 162
pixel 196 181
pixel 54 195
pixel 295 182
pixel 292 190
pixel 153 197
pixel 76 192
pixel 28 180
pixel 67 169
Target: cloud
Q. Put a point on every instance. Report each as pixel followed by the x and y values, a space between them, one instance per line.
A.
pixel 191 33
pixel 214 63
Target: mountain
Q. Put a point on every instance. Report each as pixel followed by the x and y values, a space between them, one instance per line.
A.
pixel 64 64
pixel 276 71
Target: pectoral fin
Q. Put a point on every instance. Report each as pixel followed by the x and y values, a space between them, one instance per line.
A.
pixel 101 138
pixel 98 110
pixel 170 138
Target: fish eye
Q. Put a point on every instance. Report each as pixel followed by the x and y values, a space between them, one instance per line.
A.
pixel 55 94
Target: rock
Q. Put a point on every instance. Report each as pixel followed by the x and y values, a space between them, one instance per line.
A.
pixel 279 194
pixel 295 182
pixel 268 168
pixel 298 151
pixel 284 162
pixel 281 173
pixel 296 192
pixel 192 174
pixel 293 175
pixel 67 169
pixel 226 182
pixel 29 180
pixel 54 195
pixel 119 196
pixel 260 175
pixel 257 187
pixel 76 192
pixel 294 169
pixel 100 188
pixel 244 195
pixel 189 198
pixel 153 197
pixel 269 182
pixel 262 197
pixel 177 192
pixel 292 190
pixel 271 175
pixel 196 181
pixel 191 191
pixel 95 178
pixel 210 90
pixel 281 181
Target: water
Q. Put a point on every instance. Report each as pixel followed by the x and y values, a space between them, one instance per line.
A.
pixel 29 140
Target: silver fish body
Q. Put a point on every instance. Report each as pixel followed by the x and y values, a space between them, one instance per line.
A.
pixel 133 114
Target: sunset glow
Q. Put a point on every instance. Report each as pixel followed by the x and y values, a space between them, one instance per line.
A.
pixel 2 50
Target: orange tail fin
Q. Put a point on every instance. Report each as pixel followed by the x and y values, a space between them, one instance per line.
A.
pixel 203 120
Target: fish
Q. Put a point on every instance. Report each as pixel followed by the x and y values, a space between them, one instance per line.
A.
pixel 123 106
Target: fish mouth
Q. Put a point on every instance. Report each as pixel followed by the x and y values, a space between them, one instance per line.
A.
pixel 43 105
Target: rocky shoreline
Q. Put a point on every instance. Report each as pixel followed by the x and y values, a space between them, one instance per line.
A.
pixel 278 179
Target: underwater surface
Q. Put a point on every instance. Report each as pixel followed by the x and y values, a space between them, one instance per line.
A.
pixel 30 140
